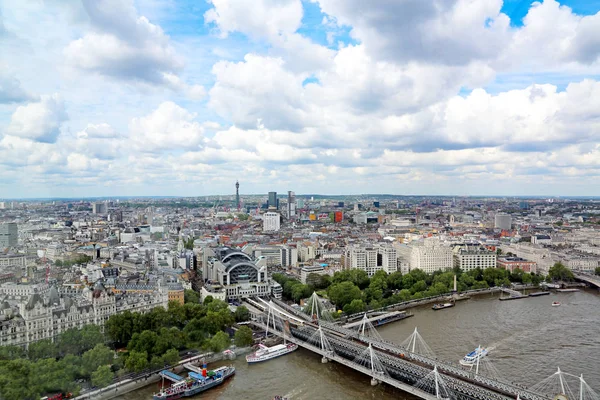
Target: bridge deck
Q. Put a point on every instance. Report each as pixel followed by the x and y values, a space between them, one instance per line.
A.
pixel 382 378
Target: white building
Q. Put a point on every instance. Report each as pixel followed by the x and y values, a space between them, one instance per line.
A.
pixel 428 257
pixel 371 259
pixel 469 257
pixel 99 208
pixel 503 221
pixel 278 255
pixel 271 222
pixel 311 269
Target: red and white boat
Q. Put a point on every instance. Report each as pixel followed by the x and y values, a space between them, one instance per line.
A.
pixel 265 353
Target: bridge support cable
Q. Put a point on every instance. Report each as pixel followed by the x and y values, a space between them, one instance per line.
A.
pixel 555 384
pixel 316 310
pixel 416 344
pixel 366 329
pixel 319 339
pixel 369 359
pixel 433 383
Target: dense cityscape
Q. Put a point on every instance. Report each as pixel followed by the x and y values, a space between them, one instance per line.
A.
pixel 112 268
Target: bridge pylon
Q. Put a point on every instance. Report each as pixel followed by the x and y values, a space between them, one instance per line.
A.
pixel 434 383
pixel 416 344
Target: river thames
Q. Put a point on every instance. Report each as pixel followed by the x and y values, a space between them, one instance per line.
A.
pixel 528 339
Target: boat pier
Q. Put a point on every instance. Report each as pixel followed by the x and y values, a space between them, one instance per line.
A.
pixel 171 376
pixel 405 367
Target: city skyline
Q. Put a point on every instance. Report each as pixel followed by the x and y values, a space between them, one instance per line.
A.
pixel 149 97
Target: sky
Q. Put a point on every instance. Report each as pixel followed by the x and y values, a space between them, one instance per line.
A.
pixel 184 97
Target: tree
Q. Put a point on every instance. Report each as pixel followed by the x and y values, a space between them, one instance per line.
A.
pixel 102 376
pixel 219 342
pixel 96 357
pixel 343 293
pixel 143 342
pixel 558 272
pixel 355 306
pixel 241 314
pixel 394 280
pixel 243 337
pixel 597 270
pixel 419 286
pixel 11 352
pixel 136 361
pixel 42 349
pixel 171 357
pixel 191 296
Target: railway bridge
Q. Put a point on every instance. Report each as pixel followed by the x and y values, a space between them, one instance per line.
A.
pixel 409 367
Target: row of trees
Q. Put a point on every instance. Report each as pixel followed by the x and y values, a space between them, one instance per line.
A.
pixel 55 367
pixel 353 291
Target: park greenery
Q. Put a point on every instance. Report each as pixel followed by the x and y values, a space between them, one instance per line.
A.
pixel 597 271
pixel 75 260
pixel 352 291
pixel 145 341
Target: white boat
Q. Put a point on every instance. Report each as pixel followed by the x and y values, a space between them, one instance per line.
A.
pixel 471 358
pixel 265 353
pixel 555 304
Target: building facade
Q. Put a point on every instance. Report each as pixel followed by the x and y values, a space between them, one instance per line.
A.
pixel 371 258
pixel 503 221
pixel 469 257
pixel 271 222
pixel 9 235
pixel 45 314
pixel 512 263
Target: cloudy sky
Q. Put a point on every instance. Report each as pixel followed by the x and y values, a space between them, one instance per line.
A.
pixel 170 97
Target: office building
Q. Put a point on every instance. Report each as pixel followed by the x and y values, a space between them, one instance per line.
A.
pixel 271 222
pixel 276 255
pixel 9 235
pixel 272 202
pixel 470 257
pixel 503 221
pixel 371 258
pixel 291 206
pixel 428 257
pixel 99 208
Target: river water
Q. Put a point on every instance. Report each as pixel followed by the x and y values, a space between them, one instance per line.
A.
pixel 528 339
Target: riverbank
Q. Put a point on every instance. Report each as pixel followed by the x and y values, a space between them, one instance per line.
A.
pixel 129 385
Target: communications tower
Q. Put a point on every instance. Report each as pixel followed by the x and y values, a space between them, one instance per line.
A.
pixel 237 194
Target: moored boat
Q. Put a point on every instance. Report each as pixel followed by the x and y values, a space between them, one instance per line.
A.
pixel 442 306
pixel 195 383
pixel 265 353
pixel 471 358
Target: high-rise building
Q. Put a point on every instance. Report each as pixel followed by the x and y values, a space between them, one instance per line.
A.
pixel 272 200
pixel 237 195
pixel 503 221
pixel 291 206
pixel 271 222
pixel 99 208
pixel 9 235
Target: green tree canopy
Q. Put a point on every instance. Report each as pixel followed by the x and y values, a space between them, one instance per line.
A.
pixel 558 272
pixel 136 361
pixel 355 306
pixel 94 358
pixel 343 293
pixel 243 337
pixel 241 314
pixel 191 296
pixel 219 342
pixel 102 376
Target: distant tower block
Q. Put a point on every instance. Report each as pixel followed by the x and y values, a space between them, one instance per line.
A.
pixel 237 195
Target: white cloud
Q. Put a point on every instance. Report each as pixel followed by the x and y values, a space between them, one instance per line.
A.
pixel 11 90
pixel 128 47
pixel 259 19
pixel 166 128
pixel 39 121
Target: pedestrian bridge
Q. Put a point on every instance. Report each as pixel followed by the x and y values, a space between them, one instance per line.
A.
pixel 409 367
